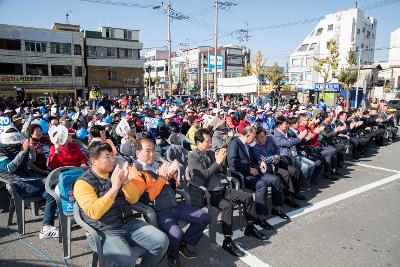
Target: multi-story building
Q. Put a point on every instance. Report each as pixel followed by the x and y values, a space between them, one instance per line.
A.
pixel 351 29
pixel 43 62
pixel 113 60
pixel 157 60
pixel 235 60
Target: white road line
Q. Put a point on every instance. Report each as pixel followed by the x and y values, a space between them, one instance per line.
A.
pixel 372 167
pixel 253 261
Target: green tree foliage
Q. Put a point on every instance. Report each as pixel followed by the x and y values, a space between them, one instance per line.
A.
pixel 327 66
pixel 275 75
pixel 348 75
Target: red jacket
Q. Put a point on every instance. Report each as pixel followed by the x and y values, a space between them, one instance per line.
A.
pixel 242 124
pixel 232 122
pixel 314 142
pixel 68 156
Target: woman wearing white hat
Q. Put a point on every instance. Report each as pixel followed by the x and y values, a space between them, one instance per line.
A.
pixel 64 152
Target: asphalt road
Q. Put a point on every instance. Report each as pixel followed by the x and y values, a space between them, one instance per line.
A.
pixel 351 222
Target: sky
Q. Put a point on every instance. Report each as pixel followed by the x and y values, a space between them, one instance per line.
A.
pixel 276 44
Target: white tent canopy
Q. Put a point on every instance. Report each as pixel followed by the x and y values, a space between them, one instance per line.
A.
pixel 240 85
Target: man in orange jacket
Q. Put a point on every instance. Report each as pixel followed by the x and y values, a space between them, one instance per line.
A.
pixel 157 184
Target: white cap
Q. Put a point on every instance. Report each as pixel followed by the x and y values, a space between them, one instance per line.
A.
pixel 11 136
pixel 123 128
pixel 231 111
pixel 169 116
pixel 58 134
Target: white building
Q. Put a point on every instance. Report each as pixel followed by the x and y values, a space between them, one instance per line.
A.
pixel 42 61
pixel 394 51
pixel 350 28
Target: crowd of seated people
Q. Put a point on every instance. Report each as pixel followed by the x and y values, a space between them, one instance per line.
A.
pixel 235 150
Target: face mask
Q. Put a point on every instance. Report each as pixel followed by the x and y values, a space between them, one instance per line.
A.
pixel 253 144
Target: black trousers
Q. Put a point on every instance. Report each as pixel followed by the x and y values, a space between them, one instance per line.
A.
pixel 319 169
pixel 329 154
pixel 226 201
pixel 289 177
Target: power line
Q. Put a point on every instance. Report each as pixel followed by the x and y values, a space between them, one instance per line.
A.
pixel 118 3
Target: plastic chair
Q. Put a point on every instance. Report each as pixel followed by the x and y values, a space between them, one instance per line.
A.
pixel 17 203
pixel 95 240
pixel 66 221
pixel 214 211
pixel 178 139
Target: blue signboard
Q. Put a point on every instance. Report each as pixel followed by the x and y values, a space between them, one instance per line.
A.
pixel 5 121
pixel 330 87
pixel 211 62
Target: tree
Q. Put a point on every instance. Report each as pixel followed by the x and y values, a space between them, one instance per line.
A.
pixel 275 75
pixel 327 66
pixel 184 77
pixel 348 76
pixel 157 80
pixel 246 71
pixel 259 62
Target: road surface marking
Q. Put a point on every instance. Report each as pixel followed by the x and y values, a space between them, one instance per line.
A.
pixel 253 261
pixel 373 167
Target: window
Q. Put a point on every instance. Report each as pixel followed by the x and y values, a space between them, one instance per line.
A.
pixel 60 48
pixel 308 76
pixel 368 34
pixel 35 46
pixel 319 31
pixel 77 50
pixel 125 53
pixel 9 44
pixel 363 30
pixel 328 44
pixel 158 69
pixel 309 61
pixel 109 33
pixel 78 71
pixel 311 34
pixel 111 52
pixel 91 51
pixel 112 75
pixel 373 36
pixel 358 31
pixel 61 70
pixel 312 46
pixel 37 69
pixel 330 27
pixel 302 48
pixel 127 34
pixel 362 45
pixel 11 68
pixel 296 62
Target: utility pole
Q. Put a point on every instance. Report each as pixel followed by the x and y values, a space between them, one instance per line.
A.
pixel 169 48
pixel 202 75
pixel 216 50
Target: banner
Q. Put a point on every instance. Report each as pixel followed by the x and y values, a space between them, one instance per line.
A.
pixel 240 85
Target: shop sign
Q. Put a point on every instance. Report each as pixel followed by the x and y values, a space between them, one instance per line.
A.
pixel 21 79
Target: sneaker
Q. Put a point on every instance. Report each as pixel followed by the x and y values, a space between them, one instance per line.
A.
pixel 50 232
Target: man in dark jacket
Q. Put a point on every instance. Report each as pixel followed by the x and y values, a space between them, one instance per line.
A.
pixel 157 184
pixel 205 169
pixel 105 195
pixel 242 163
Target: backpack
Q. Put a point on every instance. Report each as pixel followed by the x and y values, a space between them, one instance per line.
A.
pixel 65 186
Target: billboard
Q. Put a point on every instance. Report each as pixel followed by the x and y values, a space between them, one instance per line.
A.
pixel 211 62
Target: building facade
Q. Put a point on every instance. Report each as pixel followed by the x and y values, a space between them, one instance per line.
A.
pixel 113 61
pixel 351 29
pixel 42 62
